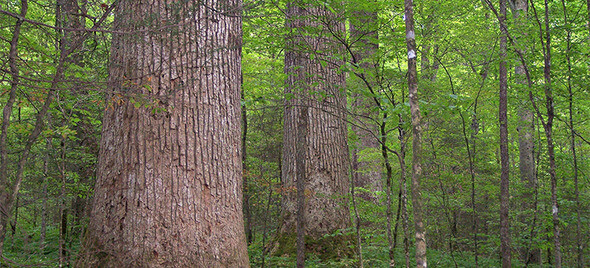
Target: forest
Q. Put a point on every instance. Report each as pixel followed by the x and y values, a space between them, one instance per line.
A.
pixel 295 133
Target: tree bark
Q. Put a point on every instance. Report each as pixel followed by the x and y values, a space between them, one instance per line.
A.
pixel 300 163
pixel 314 81
pixel 549 135
pixel 417 127
pixel 505 247
pixel 169 178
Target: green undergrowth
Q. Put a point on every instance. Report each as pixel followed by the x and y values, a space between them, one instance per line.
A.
pixel 376 255
pixel 24 248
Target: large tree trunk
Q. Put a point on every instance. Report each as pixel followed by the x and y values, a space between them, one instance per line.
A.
pixel 315 81
pixel 417 127
pixel 169 180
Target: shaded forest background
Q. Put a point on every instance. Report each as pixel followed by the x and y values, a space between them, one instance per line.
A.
pixel 54 68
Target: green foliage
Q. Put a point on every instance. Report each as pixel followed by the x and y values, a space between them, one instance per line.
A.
pixel 458 83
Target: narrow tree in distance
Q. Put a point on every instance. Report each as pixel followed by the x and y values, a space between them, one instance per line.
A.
pixel 314 81
pixel 416 136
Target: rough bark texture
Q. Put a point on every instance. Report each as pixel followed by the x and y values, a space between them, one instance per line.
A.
pixel 417 127
pixel 169 180
pixel 311 62
pixel 503 120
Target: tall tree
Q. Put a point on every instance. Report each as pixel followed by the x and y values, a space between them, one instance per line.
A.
pixel 545 38
pixel 417 127
pixel 573 147
pixel 314 81
pixel 169 179
pixel 525 130
pixel 503 121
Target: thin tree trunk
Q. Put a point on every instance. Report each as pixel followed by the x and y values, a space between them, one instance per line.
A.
pixel 503 121
pixel 533 232
pixel 246 203
pixel 579 235
pixel 525 130
pixel 169 180
pixel 15 220
pixel 63 236
pixel 470 155
pixel 388 178
pixel 302 128
pixel 548 127
pixel 63 212
pixel 355 176
pixel 43 231
pixel 404 191
pixel 266 219
pixel 45 196
pixel 417 126
pixel 474 131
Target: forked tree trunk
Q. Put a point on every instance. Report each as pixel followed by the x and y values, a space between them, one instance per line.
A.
pixel 169 179
pixel 314 81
